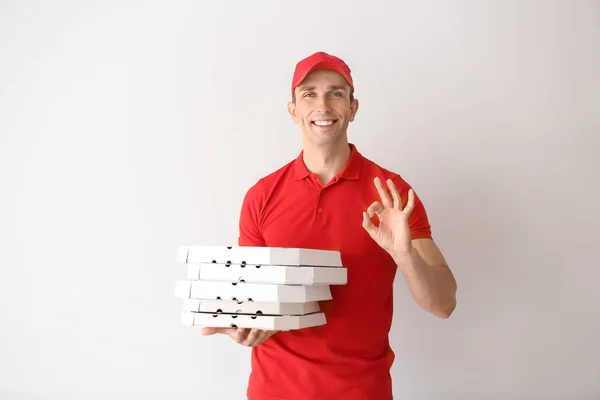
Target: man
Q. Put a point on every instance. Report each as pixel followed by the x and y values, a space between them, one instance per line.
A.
pixel 331 197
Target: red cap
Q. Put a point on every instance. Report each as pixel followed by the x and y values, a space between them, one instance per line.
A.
pixel 320 60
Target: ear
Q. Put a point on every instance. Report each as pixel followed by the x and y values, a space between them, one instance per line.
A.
pixel 292 111
pixel 353 109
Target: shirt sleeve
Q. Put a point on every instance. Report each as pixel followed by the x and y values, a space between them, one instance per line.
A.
pixel 249 228
pixel 418 220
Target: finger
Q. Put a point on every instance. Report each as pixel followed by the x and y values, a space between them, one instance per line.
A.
pixel 375 209
pixel 261 337
pixel 368 225
pixel 395 194
pixel 253 338
pixel 385 198
pixel 240 335
pixel 211 330
pixel 410 205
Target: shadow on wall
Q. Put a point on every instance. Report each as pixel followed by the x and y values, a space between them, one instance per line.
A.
pixel 474 223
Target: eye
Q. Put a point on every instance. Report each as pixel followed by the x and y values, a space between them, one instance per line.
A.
pixel 308 94
pixel 336 94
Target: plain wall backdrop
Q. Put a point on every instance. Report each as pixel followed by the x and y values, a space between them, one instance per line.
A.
pixel 127 129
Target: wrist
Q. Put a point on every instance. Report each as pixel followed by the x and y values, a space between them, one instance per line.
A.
pixel 405 256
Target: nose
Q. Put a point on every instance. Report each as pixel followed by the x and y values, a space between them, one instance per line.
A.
pixel 323 104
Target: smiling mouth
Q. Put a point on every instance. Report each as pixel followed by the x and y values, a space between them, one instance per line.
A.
pixel 324 123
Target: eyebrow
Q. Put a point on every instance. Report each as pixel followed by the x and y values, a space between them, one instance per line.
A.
pixel 309 88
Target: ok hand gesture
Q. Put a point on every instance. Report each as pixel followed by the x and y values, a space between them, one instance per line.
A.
pixel 393 232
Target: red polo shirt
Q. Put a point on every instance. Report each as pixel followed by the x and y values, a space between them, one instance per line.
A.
pixel 350 357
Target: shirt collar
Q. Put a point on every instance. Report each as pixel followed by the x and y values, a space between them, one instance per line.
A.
pixel 351 170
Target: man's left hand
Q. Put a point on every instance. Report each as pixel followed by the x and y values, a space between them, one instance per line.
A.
pixel 244 336
pixel 393 232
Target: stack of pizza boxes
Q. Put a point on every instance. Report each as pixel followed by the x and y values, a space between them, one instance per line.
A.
pixel 270 288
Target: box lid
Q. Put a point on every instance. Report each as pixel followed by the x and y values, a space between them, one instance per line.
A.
pixel 250 307
pixel 277 274
pixel 266 322
pixel 251 291
pixel 259 255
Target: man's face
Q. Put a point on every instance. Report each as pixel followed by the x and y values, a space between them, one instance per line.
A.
pixel 322 107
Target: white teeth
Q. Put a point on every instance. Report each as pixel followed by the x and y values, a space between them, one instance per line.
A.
pixel 323 123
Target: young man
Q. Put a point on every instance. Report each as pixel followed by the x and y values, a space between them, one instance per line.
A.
pixel 331 197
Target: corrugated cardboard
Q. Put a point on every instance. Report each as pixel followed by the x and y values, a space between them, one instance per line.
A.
pixel 276 274
pixel 279 323
pixel 251 291
pixel 250 307
pixel 259 256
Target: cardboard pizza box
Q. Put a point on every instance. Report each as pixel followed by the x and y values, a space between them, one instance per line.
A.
pixel 277 274
pixel 259 256
pixel 251 291
pixel 265 322
pixel 250 307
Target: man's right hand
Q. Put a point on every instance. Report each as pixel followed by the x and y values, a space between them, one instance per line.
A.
pixel 244 336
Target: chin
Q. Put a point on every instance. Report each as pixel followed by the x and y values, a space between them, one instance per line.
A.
pixel 320 139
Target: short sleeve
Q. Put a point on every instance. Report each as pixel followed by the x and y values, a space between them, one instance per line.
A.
pixel 249 228
pixel 418 220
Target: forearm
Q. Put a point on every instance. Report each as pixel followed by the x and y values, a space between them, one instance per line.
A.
pixel 432 287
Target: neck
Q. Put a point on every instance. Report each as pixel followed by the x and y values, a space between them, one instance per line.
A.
pixel 326 160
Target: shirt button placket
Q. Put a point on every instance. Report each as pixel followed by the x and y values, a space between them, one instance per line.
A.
pixel 319 208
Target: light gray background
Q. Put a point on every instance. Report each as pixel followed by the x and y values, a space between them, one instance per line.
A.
pixel 128 128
